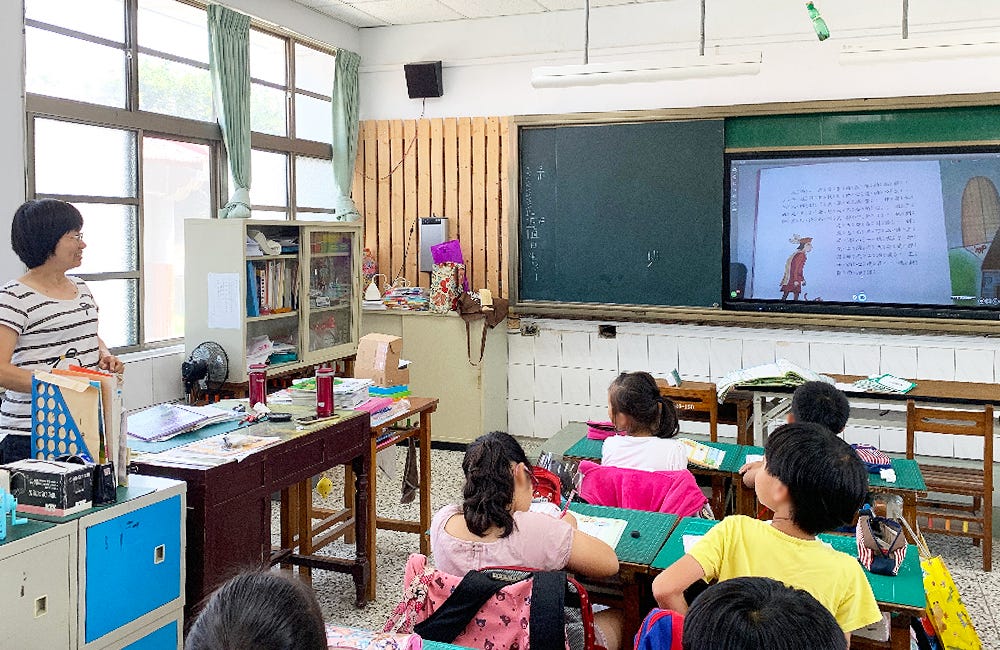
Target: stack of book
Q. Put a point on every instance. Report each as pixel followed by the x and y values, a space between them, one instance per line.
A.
pixel 406 298
pixel 348 392
pixel 780 373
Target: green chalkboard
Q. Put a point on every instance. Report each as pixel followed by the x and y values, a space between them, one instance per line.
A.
pixel 621 213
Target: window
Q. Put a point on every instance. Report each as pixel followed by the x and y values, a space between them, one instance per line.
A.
pixel 121 124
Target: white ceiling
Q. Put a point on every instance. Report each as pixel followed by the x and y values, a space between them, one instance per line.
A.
pixel 381 13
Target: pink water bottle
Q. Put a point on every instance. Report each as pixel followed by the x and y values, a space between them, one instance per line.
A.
pixel 324 392
pixel 258 384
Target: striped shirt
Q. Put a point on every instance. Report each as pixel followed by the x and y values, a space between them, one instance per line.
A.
pixel 51 333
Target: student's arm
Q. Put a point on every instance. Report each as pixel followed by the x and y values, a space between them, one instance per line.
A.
pixel 669 586
pixel 11 376
pixel 591 557
pixel 749 472
pixel 847 635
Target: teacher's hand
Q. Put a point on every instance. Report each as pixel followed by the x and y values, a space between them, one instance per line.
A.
pixel 111 363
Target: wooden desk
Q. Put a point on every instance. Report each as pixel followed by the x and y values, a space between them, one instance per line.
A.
pixel 420 407
pixel 635 555
pixel 902 595
pixel 229 506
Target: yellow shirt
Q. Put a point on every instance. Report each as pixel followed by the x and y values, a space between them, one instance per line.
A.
pixel 740 546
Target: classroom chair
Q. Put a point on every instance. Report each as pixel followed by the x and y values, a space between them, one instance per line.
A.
pixel 694 397
pixel 971 513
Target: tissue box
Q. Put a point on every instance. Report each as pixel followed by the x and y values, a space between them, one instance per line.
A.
pixel 51 487
pixel 378 360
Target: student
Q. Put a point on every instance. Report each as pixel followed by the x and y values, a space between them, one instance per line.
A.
pixel 813 401
pixel 650 420
pixel 759 614
pixel 259 610
pixel 494 527
pixel 814 482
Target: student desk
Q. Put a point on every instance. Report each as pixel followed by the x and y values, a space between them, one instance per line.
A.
pixel 583 447
pixel 229 505
pixel 635 555
pixel 380 437
pixel 902 595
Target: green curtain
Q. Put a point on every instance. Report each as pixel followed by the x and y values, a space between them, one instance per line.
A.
pixel 345 132
pixel 229 64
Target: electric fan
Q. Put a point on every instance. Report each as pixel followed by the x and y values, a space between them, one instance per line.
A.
pixel 205 370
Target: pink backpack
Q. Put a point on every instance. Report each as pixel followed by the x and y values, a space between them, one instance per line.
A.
pixel 492 608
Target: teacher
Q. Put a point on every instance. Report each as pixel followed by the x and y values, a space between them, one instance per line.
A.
pixel 47 319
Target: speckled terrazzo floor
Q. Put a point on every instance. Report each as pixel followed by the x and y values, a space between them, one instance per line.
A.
pixel 980 590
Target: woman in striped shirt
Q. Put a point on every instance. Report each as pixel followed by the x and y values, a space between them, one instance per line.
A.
pixel 46 317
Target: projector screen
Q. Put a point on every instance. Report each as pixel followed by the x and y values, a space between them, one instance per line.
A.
pixel 865 232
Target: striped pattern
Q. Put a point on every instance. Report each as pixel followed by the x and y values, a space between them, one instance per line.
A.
pixel 873 457
pixel 874 553
pixel 50 332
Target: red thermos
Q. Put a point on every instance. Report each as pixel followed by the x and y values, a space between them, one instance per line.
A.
pixel 324 392
pixel 258 384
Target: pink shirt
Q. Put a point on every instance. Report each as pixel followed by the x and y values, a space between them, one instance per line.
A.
pixel 538 541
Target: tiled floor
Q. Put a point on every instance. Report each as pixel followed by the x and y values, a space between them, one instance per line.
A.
pixel 980 590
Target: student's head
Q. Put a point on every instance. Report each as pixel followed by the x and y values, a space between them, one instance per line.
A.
pixel 822 403
pixel 495 469
pixel 759 614
pixel 635 404
pixel 816 473
pixel 39 225
pixel 259 610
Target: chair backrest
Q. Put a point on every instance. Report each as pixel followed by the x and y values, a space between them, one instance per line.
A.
pixel 958 423
pixel 694 397
pixel 674 492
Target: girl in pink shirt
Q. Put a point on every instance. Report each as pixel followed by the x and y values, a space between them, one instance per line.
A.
pixel 494 527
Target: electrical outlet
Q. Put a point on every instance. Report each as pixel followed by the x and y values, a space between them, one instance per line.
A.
pixel 529 329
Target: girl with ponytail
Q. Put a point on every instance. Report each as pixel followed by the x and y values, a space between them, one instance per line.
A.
pixel 649 421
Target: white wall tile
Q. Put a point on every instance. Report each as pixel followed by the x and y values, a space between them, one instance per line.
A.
pixel 548 419
pixel 520 417
pixel 598 413
pixel 548 384
pixel 167 382
pixel 575 350
pixel 938 445
pixel 795 351
pixel 548 348
pixel 725 356
pixel 826 357
pixel 574 413
pixel 996 449
pixel 757 352
pixel 696 428
pixel 603 352
pixel 599 382
pixel 969 447
pixel 892 440
pixel 693 357
pixel 727 432
pixel 861 435
pixel 633 352
pixel 974 365
pixel 861 360
pixel 935 363
pixel 521 349
pixel 899 360
pixel 520 381
pixel 575 386
pixel 662 355
pixel 137 392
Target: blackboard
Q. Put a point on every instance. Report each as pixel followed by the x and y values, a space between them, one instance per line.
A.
pixel 621 213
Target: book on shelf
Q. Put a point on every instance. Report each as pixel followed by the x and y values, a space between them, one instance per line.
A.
pixel 164 421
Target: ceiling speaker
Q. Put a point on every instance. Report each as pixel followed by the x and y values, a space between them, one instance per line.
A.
pixel 423 79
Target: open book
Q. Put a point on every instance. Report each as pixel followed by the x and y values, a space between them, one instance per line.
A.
pixel 780 373
pixel 164 421
pixel 703 455
pixel 606 529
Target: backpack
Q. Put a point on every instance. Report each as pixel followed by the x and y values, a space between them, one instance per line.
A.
pixel 504 608
pixel 873 458
pixel 662 629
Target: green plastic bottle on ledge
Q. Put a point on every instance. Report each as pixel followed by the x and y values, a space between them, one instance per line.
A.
pixel 822 31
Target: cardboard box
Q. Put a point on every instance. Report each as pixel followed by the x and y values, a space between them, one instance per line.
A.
pixel 50 487
pixel 378 360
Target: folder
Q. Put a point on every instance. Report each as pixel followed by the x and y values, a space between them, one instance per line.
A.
pixel 66 417
pixel 115 443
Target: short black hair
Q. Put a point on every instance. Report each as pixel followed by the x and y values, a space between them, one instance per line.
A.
pixel 259 610
pixel 822 403
pixel 636 395
pixel 826 480
pixel 489 482
pixel 759 614
pixel 38 226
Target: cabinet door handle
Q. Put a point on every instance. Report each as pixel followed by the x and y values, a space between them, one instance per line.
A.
pixel 159 554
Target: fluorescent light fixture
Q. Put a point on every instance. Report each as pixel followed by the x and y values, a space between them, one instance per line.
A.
pixel 902 51
pixel 688 67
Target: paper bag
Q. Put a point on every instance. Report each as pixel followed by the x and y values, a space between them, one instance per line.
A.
pixel 66 417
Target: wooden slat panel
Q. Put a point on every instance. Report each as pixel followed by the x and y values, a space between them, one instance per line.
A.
pixel 384 200
pixel 506 163
pixel 492 222
pixel 423 154
pixel 451 174
pixel 465 196
pixel 370 200
pixel 479 201
pixel 410 199
pixel 396 200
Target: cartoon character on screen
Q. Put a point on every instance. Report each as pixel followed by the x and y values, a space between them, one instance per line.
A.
pixel 794 279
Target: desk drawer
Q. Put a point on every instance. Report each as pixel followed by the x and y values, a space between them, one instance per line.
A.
pixel 133 566
pixel 35 596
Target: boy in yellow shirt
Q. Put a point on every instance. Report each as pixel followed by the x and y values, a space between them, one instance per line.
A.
pixel 814 482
